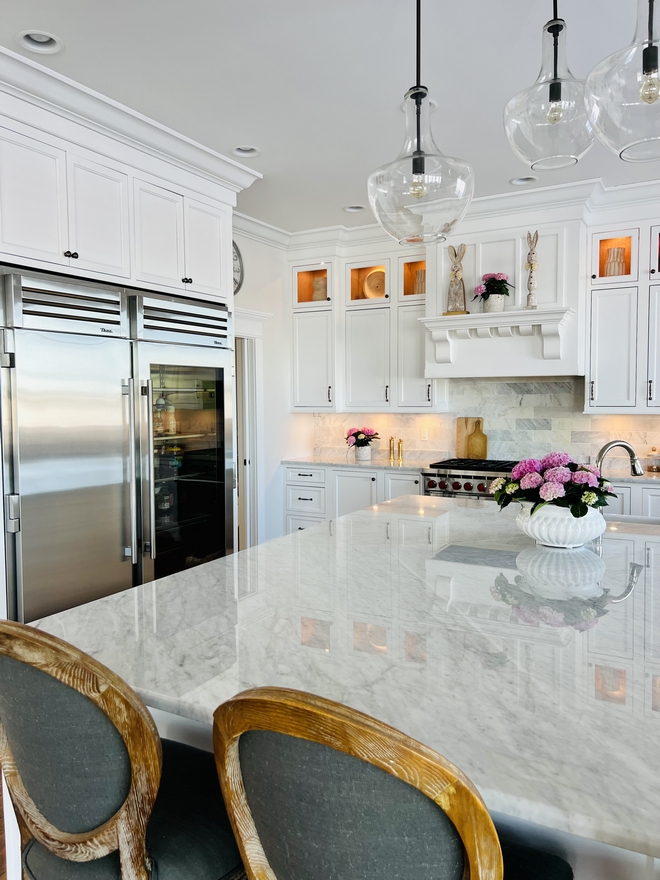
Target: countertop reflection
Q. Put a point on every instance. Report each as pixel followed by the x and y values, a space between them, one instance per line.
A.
pixel 537 671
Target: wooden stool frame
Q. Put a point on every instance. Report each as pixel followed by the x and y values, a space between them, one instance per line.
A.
pixel 313 718
pixel 126 830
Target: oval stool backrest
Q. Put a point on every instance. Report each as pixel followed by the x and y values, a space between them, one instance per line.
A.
pixel 324 815
pixel 70 756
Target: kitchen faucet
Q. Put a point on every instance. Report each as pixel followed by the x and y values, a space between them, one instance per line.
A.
pixel 636 468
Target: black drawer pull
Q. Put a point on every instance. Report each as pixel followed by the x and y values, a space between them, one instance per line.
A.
pixel 305 475
pixel 304 499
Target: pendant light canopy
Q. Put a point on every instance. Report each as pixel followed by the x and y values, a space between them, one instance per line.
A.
pixel 421 196
pixel 623 92
pixel 548 125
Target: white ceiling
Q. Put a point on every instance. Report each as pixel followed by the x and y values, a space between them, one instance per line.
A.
pixel 317 85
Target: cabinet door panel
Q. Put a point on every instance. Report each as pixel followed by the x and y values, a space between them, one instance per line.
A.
pixel 207 243
pixel 158 235
pixel 98 217
pixel 413 389
pixel 312 359
pixel 368 358
pixel 622 503
pixel 613 368
pixel 354 490
pixel 651 502
pixel 402 484
pixel 652 388
pixel 33 214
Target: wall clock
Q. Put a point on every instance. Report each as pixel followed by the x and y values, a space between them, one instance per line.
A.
pixel 237 268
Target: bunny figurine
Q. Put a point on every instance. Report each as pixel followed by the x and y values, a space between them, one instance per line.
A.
pixel 456 292
pixel 532 265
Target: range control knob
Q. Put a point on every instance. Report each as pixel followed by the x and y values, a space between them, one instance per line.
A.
pixel 481 487
pixel 442 485
pixel 431 484
pixel 455 486
pixel 467 487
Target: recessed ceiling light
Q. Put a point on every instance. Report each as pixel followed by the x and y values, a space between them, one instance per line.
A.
pixel 523 181
pixel 244 151
pixel 354 209
pixel 39 41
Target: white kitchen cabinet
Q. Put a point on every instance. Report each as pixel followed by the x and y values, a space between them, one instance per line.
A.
pixel 612 379
pixel 308 500
pixel 296 523
pixel 412 388
pixel 313 382
pixel 401 484
pixel 159 254
pixel 622 504
pixel 653 377
pixel 33 201
pixel 353 490
pixel 207 233
pixel 650 501
pixel 368 359
pixel 615 257
pixel 99 230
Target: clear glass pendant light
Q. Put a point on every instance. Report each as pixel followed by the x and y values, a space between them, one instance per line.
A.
pixel 548 125
pixel 421 196
pixel 623 92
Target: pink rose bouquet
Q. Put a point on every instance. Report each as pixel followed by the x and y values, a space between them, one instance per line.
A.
pixel 555 479
pixel 493 283
pixel 360 436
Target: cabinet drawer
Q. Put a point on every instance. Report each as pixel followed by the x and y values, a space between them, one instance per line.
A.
pixel 307 499
pixel 305 475
pixel 299 523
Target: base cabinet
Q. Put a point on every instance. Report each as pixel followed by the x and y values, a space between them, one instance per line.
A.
pixel 317 493
pixel 634 500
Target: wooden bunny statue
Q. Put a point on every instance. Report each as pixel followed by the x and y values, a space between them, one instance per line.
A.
pixel 456 292
pixel 532 265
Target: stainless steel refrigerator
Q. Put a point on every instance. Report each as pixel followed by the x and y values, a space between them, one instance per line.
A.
pixel 116 428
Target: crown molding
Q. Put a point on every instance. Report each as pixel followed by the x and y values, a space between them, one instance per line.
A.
pixel 25 79
pixel 257 230
pixel 609 198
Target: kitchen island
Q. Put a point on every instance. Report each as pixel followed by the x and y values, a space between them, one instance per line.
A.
pixel 436 616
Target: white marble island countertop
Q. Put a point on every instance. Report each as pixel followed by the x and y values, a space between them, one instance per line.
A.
pixel 438 617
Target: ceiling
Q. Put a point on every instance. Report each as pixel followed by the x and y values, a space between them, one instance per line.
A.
pixel 317 85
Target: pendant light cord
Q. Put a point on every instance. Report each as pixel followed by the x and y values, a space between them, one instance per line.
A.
pixel 555 15
pixel 418 156
pixel 419 43
pixel 650 51
pixel 554 90
pixel 651 22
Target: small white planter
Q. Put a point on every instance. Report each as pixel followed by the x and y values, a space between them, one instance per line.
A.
pixel 553 526
pixel 363 453
pixel 494 303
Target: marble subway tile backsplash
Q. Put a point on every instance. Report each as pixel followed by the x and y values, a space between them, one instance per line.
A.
pixel 522 418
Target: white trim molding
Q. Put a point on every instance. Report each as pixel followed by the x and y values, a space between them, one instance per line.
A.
pixel 498 324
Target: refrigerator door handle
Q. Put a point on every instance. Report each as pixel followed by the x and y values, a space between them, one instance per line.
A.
pixel 152 470
pixel 132 470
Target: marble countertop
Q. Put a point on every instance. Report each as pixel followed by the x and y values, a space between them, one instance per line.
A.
pixel 347 461
pixel 436 616
pixel 617 475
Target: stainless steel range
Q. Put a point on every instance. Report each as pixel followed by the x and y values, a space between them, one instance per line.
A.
pixel 470 477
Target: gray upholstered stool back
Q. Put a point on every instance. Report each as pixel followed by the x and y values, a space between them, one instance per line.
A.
pixel 79 751
pixel 70 756
pixel 324 815
pixel 318 791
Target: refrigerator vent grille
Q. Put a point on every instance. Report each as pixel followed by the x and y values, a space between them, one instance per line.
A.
pixel 197 321
pixel 105 307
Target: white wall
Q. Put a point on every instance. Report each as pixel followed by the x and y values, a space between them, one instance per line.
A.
pixel 284 434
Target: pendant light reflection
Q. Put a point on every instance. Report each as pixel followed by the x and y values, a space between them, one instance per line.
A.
pixel 623 92
pixel 547 125
pixel 421 196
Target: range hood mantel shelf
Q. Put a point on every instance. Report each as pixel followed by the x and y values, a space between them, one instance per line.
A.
pixel 444 330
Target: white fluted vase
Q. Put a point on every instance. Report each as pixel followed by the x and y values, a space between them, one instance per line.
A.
pixel 553 526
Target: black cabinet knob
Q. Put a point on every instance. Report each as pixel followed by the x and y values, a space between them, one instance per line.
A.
pixel 416 482
pixel 373 479
pixel 67 253
pixel 74 255
pixel 594 277
pixel 652 271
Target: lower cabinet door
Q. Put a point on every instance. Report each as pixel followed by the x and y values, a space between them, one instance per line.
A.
pixel 612 380
pixel 299 523
pixel 354 490
pixel 651 502
pixel 622 504
pixel 402 484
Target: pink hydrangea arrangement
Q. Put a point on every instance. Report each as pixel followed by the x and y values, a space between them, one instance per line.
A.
pixel 555 479
pixel 493 282
pixel 360 436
